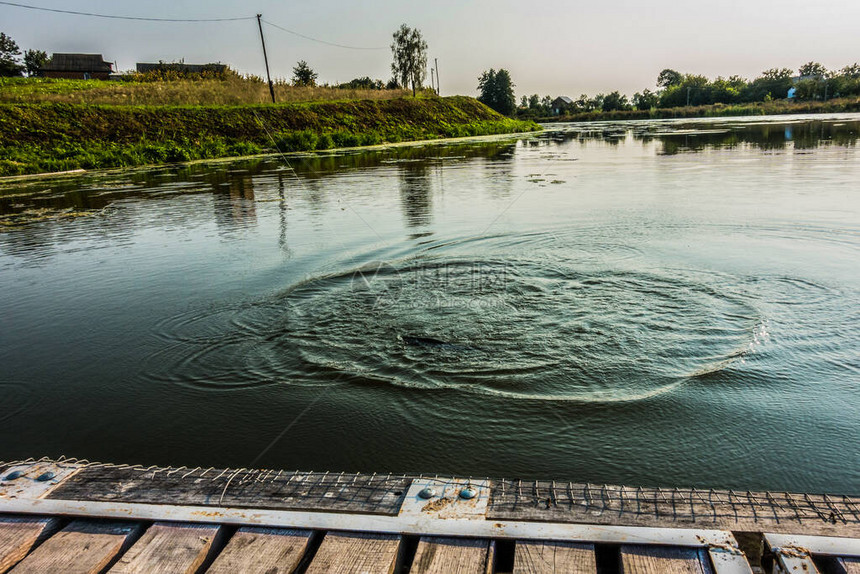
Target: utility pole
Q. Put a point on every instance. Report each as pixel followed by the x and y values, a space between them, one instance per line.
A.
pixel 688 97
pixel 438 89
pixel 432 85
pixel 266 57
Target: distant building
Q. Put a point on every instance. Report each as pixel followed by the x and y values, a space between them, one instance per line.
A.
pixel 77 67
pixel 561 104
pixel 181 68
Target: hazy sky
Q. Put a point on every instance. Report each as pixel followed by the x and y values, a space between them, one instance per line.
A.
pixel 550 46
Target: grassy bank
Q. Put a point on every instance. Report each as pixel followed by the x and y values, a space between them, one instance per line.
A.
pixel 230 91
pixel 37 138
pixel 777 107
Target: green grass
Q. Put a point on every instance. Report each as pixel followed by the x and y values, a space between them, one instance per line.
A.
pixel 36 138
pixel 230 91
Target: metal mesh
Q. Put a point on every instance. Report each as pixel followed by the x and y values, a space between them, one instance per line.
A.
pixel 682 505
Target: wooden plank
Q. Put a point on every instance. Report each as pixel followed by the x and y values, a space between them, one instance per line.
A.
pixel 82 547
pixel 450 556
pixel 263 550
pixel 369 494
pixel 167 547
pixel 19 534
pixel 662 559
pixel 848 566
pixel 345 553
pixel 537 557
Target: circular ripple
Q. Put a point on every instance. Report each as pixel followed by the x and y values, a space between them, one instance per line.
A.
pixel 224 348
pixel 519 329
pixel 562 321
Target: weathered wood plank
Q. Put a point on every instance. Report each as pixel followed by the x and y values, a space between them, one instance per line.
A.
pixel 345 553
pixel 82 547
pixel 662 559
pixel 263 550
pixel 450 556
pixel 165 547
pixel 370 494
pixel 848 566
pixel 18 535
pixel 538 557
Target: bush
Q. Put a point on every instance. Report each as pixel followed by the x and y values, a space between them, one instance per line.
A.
pixel 325 141
pixel 303 140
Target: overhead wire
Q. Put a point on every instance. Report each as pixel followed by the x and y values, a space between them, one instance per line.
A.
pixel 186 20
pixel 117 17
pixel 312 39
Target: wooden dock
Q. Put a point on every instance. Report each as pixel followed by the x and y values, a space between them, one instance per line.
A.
pixel 82 517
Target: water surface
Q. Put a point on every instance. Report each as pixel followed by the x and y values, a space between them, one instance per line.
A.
pixel 657 303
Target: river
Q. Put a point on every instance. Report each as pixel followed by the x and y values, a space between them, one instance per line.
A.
pixel 648 303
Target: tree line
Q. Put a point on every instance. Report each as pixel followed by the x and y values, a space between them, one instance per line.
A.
pixel 812 81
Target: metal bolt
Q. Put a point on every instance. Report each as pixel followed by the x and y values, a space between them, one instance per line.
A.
pixel 46 477
pixel 14 475
pixel 427 493
pixel 468 493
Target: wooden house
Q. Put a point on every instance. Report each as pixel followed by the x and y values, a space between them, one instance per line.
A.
pixel 77 67
pixel 561 105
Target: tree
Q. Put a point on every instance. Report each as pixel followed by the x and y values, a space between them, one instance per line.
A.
pixel 615 101
pixel 646 100
pixel 497 91
pixel 775 82
pixel 852 71
pixel 34 61
pixel 669 77
pixel 410 57
pixel 365 83
pixel 9 54
pixel 304 75
pixel 813 69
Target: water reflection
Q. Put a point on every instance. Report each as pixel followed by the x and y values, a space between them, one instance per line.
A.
pixel 416 193
pixel 234 203
pixel 677 137
pixel 421 171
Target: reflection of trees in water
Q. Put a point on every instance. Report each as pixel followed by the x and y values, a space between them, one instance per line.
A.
pixel 37 241
pixel 282 213
pixel 416 193
pixel 234 202
pixel 764 136
pixel 498 177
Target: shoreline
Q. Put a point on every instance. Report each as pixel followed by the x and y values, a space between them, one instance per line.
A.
pixel 775 108
pixel 12 179
pixel 55 138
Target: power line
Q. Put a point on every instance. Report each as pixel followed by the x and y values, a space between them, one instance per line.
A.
pixel 113 17
pixel 320 41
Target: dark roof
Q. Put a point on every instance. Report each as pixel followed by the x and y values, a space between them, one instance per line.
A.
pixel 187 68
pixel 564 99
pixel 77 63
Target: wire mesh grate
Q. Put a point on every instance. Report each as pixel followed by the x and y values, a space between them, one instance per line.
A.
pixel 675 504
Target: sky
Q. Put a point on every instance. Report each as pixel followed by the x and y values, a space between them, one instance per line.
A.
pixel 550 47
